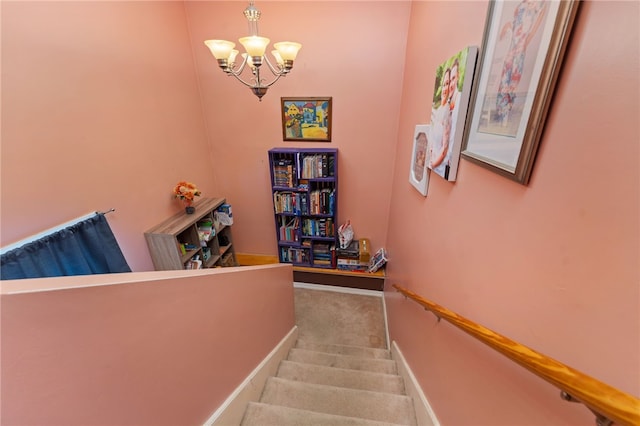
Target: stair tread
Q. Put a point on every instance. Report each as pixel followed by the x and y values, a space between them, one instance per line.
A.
pixel 341 377
pixel 260 414
pixel 387 366
pixel 327 399
pixel 361 351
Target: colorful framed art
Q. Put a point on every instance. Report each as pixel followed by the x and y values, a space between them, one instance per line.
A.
pixel 306 119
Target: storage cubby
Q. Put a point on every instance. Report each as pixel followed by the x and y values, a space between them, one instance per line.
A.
pixel 192 241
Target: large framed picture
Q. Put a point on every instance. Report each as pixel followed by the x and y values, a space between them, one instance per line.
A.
pixel 418 171
pixel 451 94
pixel 306 119
pixel 522 50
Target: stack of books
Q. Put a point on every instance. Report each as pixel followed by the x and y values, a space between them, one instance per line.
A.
pixel 283 171
pixel 318 165
pixel 323 255
pixel 348 259
pixel 289 228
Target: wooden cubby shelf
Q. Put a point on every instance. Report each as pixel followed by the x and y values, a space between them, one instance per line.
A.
pixel 192 241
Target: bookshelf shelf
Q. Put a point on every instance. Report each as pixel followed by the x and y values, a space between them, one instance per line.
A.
pixel 304 187
pixel 192 241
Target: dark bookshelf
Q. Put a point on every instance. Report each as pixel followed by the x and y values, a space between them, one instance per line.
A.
pixel 304 188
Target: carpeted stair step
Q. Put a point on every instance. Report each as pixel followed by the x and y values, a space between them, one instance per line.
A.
pixel 259 414
pixel 378 406
pixel 341 377
pixel 385 366
pixel 359 351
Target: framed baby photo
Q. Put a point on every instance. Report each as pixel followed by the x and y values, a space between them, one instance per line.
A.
pixel 306 119
pixel 418 171
pixel 522 50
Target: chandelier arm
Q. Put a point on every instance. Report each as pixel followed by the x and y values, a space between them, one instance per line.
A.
pixel 241 67
pixel 276 71
pixel 237 76
pixel 258 82
pixel 276 79
pixel 238 72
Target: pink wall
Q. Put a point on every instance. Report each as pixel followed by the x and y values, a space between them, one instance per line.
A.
pixel 137 349
pixel 353 52
pixel 553 265
pixel 103 108
pixel 100 110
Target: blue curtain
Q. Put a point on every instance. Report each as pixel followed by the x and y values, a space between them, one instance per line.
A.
pixel 88 247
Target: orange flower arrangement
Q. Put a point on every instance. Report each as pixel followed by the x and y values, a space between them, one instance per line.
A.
pixel 186 191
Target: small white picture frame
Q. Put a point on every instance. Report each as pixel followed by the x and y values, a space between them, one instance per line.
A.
pixel 418 170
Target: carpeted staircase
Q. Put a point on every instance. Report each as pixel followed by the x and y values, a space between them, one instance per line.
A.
pixel 322 383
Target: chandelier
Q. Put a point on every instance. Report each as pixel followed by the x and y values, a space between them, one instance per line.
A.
pixel 255 47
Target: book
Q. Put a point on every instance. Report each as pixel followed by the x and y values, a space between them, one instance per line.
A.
pixel 283 171
pixel 331 166
pixel 378 260
pixel 353 268
pixel 345 261
pixel 352 251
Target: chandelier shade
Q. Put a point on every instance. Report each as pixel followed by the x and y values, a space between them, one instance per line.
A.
pixel 255 47
pixel 288 50
pixel 220 49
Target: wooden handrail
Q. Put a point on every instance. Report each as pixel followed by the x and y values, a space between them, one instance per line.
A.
pixel 602 399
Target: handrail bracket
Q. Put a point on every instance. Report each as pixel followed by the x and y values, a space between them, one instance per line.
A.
pixel 436 315
pixel 601 420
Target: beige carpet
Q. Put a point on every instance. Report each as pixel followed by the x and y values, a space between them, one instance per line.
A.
pixel 340 371
pixel 341 318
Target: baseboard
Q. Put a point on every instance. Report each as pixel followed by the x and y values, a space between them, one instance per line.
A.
pixel 425 415
pixel 311 286
pixel 386 323
pixel 233 408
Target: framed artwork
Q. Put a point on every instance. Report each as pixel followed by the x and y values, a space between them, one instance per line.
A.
pixel 306 119
pixel 522 50
pixel 418 172
pixel 454 78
